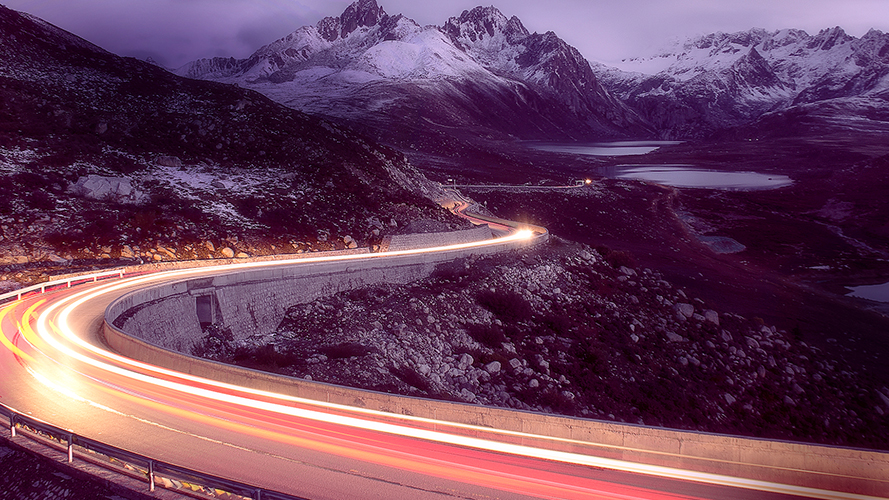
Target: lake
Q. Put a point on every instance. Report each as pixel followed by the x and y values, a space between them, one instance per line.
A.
pixel 688 176
pixel 879 293
pixel 620 148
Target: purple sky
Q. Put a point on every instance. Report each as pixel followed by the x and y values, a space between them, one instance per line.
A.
pixel 177 31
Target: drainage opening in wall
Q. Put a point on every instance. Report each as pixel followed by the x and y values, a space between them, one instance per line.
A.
pixel 205 307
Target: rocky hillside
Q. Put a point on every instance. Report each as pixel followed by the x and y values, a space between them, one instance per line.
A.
pixel 103 156
pixel 571 330
pixel 723 80
pixel 480 74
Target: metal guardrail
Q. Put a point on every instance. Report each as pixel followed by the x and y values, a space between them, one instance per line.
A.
pixel 42 287
pixel 154 473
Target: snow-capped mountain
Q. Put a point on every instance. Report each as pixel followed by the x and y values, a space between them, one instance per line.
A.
pixel 724 80
pixel 479 73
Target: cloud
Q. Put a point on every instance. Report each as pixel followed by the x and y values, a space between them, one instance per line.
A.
pixel 177 31
pixel 174 32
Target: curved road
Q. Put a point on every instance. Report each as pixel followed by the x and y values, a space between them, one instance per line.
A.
pixel 53 366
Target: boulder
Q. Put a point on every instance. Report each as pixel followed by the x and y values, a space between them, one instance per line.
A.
pixel 97 187
pixel 56 259
pixel 465 361
pixel 684 309
pixel 675 337
pixel 711 316
pixel 168 161
pixel 227 252
pixel 166 252
pixel 493 367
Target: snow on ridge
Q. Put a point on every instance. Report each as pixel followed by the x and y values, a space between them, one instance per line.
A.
pixel 795 56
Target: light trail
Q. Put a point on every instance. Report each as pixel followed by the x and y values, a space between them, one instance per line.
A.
pixel 52 334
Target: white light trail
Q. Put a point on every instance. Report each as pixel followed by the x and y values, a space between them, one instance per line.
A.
pixel 70 305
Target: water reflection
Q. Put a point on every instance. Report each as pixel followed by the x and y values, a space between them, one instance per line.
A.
pixel 879 293
pixel 687 176
pixel 620 148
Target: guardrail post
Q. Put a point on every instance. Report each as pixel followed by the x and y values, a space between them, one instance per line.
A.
pixel 151 476
pixel 70 448
pixel 258 495
pixel 12 424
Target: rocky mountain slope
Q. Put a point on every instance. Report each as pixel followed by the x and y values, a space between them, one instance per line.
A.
pixel 478 74
pixel 565 329
pixel 103 156
pixel 723 80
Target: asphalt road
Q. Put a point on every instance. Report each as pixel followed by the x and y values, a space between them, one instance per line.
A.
pixel 53 366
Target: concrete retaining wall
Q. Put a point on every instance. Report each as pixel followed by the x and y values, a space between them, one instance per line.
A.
pixel 254 301
pixel 426 240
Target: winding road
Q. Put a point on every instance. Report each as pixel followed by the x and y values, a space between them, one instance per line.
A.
pixel 54 366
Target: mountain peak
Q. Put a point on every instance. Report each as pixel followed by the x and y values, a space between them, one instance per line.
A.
pixel 483 22
pixel 827 38
pixel 359 14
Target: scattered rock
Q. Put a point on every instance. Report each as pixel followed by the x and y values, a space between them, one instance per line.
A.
pixel 55 258
pixel 711 316
pixel 493 367
pixel 675 337
pixel 684 309
pixel 97 187
pixel 169 161
pixel 465 361
pixel 227 252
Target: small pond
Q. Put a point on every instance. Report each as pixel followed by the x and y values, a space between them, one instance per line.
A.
pixel 687 176
pixel 879 293
pixel 620 148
